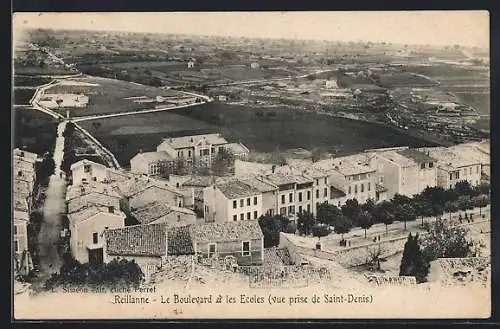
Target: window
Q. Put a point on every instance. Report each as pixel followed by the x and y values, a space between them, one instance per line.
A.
pixel 16 245
pixel 111 209
pixel 212 249
pixel 255 200
pixel 300 197
pixel 178 218
pixel 290 197
pixel 326 180
pixel 381 180
pixel 248 215
pixel 248 201
pixel 213 150
pixel 242 216
pixel 235 204
pixel 19 173
pixel 470 170
pixel 255 215
pixel 177 185
pixel 235 218
pixel 189 153
pixel 308 208
pixel 245 248
pixel 291 209
pixel 106 227
pixel 95 238
pixel 349 191
pixel 282 199
pixel 369 186
pixel 422 165
pixel 308 195
pixel 362 187
pixel 15 229
pixel 355 188
pixel 317 181
pixel 431 164
pixel 325 192
pixel 242 202
pixel 451 176
pixel 221 148
pixel 300 209
pixel 86 168
pixel 317 194
pixel 21 154
pixel 283 211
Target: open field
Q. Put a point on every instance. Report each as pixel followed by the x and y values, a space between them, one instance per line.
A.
pixel 30 81
pixel 125 137
pixel 108 96
pixel 34 130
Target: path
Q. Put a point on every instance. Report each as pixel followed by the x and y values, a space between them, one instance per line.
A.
pixel 48 238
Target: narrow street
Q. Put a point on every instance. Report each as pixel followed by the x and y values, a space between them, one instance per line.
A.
pixel 48 238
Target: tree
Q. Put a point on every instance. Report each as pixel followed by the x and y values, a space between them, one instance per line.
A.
pixel 383 213
pixel 483 188
pixel 444 240
pixel 481 201
pixel 223 162
pixel 271 227
pixel 399 200
pixel 320 230
pixel 305 222
pixel 405 212
pixel 434 195
pixel 464 202
pixel 369 205
pixel 365 220
pixel 413 262
pixel 463 188
pixel 450 207
pixel 342 225
pixel 351 208
pixel 327 213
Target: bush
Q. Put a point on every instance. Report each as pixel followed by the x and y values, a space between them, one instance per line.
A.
pixel 320 230
pixel 291 228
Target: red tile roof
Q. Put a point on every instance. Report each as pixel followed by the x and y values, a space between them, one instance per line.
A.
pixel 137 240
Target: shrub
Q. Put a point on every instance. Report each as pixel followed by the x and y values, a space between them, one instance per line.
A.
pixel 320 230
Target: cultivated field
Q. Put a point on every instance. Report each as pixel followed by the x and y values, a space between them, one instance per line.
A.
pixel 109 96
pixel 34 130
pixel 23 96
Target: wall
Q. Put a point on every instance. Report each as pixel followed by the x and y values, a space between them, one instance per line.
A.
pixel 252 208
pixel 139 166
pixel 177 219
pixel 269 202
pixel 154 194
pixel 215 205
pixel 22 235
pixel 391 173
pixel 78 173
pixel 234 248
pixel 81 233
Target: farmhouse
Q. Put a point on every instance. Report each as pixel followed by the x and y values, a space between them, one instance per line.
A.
pixel 155 213
pixel 86 231
pixel 86 171
pixel 151 163
pixel 405 171
pixel 231 200
pixel 242 239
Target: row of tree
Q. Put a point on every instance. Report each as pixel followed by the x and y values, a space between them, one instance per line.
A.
pixel 432 202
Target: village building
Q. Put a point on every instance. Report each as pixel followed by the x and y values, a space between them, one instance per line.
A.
pixel 87 226
pixel 405 171
pixel 156 191
pixel 85 171
pixel 25 155
pixel 242 240
pixel 148 245
pixel 155 213
pixel 151 163
pixel 20 228
pixel 231 200
pixel 454 167
pixel 193 186
pixel 198 149
pixel 97 194
pixel 479 150
pixel 268 191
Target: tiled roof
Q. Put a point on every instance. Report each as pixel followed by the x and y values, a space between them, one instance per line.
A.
pixel 87 212
pixel 259 184
pixel 336 193
pixel 156 184
pixel 152 156
pixel 417 156
pixel 236 188
pixel 155 210
pixel 137 184
pixel 75 191
pixel 285 176
pixel 190 141
pixel 348 165
pixel 137 240
pixel 86 162
pixel 180 241
pixel 227 231
pixel 449 159
pixel 201 181
pixel 279 256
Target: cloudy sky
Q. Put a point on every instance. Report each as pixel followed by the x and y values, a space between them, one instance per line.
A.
pixel 468 28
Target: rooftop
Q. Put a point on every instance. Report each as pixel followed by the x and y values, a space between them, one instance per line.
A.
pixel 75 191
pixel 29 156
pixel 237 148
pixel 152 156
pixel 199 181
pixel 450 159
pixel 286 176
pixel 336 193
pixel 259 184
pixel 416 156
pixel 191 141
pixel 86 162
pixel 89 211
pixel 180 241
pixel 347 165
pixel 137 240
pixel 227 231
pixel 236 188
pixel 155 210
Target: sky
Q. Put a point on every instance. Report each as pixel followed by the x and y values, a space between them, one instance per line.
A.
pixel 466 28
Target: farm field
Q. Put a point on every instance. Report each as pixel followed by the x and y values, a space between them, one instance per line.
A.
pixel 36 71
pixel 30 81
pixel 125 137
pixel 108 96
pixel 33 129
pixel 22 96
